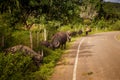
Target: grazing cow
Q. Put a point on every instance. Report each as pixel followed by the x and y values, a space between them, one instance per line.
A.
pixel 88 30
pixel 68 36
pixel 80 32
pixel 37 57
pixel 45 43
pixel 73 34
pixel 59 40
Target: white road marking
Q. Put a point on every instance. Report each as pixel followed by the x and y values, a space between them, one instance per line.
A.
pixel 76 60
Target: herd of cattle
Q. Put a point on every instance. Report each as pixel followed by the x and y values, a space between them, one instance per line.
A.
pixel 58 40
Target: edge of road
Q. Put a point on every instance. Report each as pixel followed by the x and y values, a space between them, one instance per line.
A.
pixel 76 59
pixel 117 37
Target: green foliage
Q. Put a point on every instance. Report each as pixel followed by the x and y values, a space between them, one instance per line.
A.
pixel 49 63
pixel 16 67
pixel 87 21
pixel 54 15
pixel 5 29
pixel 25 13
pixel 19 67
pixel 112 10
pixel 71 27
pixel 21 11
pixel 20 37
pixel 52 27
pixel 4 25
pixel 52 57
pixel 65 28
pixel 115 26
pixel 44 72
pixel 102 24
pixel 90 9
pixel 106 25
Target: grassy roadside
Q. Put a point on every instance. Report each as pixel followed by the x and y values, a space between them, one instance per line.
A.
pixel 52 58
pixel 73 39
pixel 68 46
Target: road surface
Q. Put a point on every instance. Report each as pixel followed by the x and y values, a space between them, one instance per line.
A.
pixel 94 57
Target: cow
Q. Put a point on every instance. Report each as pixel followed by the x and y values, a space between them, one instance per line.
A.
pixel 80 32
pixel 87 30
pixel 45 44
pixel 59 40
pixel 73 33
pixel 68 36
pixel 37 57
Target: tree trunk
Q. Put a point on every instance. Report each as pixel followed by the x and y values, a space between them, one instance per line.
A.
pixel 28 26
pixel 37 39
pixel 96 28
pixel 2 41
pixel 45 34
pixel 31 41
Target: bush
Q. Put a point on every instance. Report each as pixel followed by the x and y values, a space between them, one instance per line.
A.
pixel 16 67
pixel 19 67
pixel 49 62
pixel 116 25
pixel 102 24
pixel 21 37
pixel 44 72
pixel 65 28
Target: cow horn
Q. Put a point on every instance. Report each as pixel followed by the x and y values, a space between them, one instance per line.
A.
pixel 57 44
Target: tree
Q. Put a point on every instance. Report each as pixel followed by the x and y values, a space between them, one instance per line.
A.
pixel 29 12
pixel 90 9
pixel 22 10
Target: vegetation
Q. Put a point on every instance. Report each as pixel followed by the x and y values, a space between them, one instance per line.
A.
pixel 13 67
pixel 28 22
pixel 111 10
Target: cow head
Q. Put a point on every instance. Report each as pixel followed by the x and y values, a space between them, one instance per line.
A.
pixel 54 44
pixel 38 58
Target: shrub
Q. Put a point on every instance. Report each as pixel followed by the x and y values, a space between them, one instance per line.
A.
pixel 44 72
pixel 116 25
pixel 21 37
pixel 49 62
pixel 16 67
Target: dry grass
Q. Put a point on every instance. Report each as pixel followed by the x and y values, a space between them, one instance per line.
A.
pixel 118 37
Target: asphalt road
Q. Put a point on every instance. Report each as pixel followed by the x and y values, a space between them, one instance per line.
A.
pixel 94 57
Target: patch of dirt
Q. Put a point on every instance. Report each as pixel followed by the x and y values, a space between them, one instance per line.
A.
pixel 118 37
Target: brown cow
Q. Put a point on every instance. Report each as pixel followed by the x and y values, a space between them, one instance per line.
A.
pixel 59 40
pixel 37 57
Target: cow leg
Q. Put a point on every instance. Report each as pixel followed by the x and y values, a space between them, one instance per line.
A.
pixel 65 46
pixel 86 33
pixel 61 46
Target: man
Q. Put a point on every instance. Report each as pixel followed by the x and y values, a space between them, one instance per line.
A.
pixel 87 30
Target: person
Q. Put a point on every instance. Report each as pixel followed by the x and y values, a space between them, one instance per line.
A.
pixel 87 30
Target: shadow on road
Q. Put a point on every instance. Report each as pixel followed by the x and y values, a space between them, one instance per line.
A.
pixel 95 35
pixel 85 50
pixel 86 46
